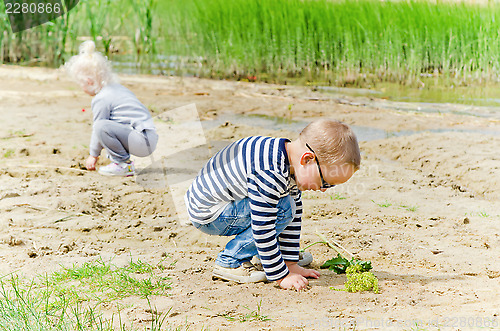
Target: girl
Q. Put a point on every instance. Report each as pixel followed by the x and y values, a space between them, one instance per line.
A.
pixel 122 125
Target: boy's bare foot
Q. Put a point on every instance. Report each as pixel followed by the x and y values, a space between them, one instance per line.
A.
pixel 297 269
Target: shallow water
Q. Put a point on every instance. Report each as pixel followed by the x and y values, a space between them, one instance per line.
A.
pixel 430 90
pixel 363 133
pixel 167 65
pixel 435 95
pixel 433 91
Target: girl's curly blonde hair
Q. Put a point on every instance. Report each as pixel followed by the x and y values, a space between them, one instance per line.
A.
pixel 90 67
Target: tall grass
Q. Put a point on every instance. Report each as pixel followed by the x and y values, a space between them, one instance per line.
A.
pixel 326 39
pixel 340 42
pixel 110 23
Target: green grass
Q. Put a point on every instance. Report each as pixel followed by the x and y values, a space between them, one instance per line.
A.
pixel 8 153
pixel 250 315
pixel 334 40
pixel 340 42
pixel 481 213
pixel 409 208
pixel 111 283
pixel 107 22
pixel 73 298
pixel 337 196
pixel 385 204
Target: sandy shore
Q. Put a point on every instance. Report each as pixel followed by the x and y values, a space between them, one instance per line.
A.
pixel 424 208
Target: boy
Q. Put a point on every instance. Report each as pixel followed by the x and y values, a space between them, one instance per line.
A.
pixel 251 189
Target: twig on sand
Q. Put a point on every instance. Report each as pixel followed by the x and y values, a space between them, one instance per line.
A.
pixel 50 167
pixel 18 136
pixel 40 208
pixel 65 218
pixel 335 246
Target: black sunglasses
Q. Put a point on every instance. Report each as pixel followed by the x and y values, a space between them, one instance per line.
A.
pixel 324 183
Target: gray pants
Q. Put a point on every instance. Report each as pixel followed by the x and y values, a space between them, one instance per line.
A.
pixel 121 140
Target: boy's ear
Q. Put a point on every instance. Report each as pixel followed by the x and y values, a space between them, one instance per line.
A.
pixel 306 158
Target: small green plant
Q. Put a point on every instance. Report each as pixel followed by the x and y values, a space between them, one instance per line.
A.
pixel 337 196
pixel 340 264
pixel 359 280
pixel 417 328
pixel 18 133
pixel 252 315
pixel 479 213
pixel 157 319
pixel 409 208
pixel 8 153
pixel 383 205
pixel 359 277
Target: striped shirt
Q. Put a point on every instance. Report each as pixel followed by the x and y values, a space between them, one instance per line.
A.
pixel 257 168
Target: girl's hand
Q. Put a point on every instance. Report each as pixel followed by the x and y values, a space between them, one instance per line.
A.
pixel 91 162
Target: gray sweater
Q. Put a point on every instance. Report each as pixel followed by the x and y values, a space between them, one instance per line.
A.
pixel 117 103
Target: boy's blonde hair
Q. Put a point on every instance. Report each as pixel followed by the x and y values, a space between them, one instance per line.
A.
pixel 333 142
pixel 90 64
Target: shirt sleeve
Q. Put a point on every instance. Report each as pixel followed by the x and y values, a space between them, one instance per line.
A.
pixel 264 191
pixel 289 238
pixel 101 110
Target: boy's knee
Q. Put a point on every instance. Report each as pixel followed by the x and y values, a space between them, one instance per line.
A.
pixel 286 208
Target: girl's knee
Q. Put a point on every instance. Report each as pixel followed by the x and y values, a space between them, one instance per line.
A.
pixel 101 127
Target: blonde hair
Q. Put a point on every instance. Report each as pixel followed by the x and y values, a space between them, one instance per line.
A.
pixel 90 64
pixel 333 142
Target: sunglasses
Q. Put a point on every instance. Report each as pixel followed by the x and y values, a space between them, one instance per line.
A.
pixel 324 183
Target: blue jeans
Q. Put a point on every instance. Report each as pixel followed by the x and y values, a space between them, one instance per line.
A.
pixel 236 220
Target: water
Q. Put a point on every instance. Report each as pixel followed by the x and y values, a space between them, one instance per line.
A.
pixel 363 133
pixel 257 120
pixel 166 65
pixel 435 95
pixel 433 92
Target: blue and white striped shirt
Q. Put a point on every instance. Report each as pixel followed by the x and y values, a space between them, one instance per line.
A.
pixel 257 168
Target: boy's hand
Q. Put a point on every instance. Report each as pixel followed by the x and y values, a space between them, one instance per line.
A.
pixel 91 162
pixel 297 269
pixel 292 280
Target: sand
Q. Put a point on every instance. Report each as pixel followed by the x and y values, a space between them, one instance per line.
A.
pixel 424 207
